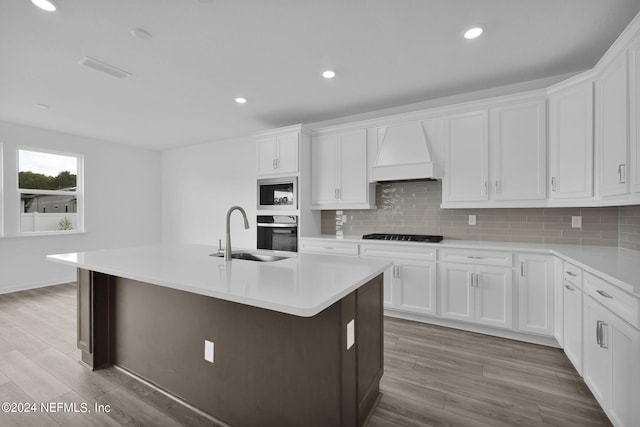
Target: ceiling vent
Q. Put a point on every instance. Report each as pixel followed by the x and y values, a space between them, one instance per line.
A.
pixel 104 67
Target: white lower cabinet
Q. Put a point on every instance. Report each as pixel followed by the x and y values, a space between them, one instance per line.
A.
pixel 536 294
pixel 478 294
pixel 410 285
pixel 611 363
pixel 572 297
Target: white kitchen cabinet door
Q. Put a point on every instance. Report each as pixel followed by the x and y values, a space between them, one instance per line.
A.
pixel 352 173
pixel 324 169
pixel 457 296
pixel 573 334
pixel 494 296
pixel 634 114
pixel 277 154
pixel 612 128
pixel 466 153
pixel 266 149
pixel 288 153
pixel 536 294
pixel 571 142
pixel 597 359
pixel 416 285
pixel 517 142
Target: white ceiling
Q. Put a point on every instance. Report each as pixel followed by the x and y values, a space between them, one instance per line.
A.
pixel 204 53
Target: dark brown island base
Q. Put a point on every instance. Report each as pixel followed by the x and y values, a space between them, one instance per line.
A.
pixel 270 368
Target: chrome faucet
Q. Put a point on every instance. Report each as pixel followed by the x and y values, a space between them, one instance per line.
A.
pixel 227 249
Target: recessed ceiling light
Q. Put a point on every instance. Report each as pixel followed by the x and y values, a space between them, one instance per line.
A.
pixel 472 33
pixel 45 5
pixel 329 74
pixel 42 106
pixel 141 33
pixel 241 100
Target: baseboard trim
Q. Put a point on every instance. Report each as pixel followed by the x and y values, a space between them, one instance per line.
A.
pixel 512 335
pixel 36 285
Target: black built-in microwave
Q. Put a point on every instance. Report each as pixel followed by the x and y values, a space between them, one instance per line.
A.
pixel 278 193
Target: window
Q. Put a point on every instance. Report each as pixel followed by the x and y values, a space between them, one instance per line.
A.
pixel 49 185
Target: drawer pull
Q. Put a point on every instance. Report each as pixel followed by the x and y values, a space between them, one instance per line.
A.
pixel 604 294
pixel 572 274
pixel 475 257
pixel 569 287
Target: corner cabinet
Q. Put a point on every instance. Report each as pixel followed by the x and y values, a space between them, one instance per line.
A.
pixel 339 172
pixel 536 294
pixel 277 154
pixel 571 142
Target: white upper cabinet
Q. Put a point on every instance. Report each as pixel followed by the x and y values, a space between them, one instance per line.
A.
pixel 466 151
pixel 571 142
pixel 612 127
pixel 496 154
pixel 517 143
pixel 278 154
pixel 339 171
pixel 634 114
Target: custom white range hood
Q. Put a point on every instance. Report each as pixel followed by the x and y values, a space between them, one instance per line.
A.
pixel 404 152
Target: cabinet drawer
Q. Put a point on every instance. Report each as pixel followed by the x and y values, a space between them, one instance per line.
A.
pixel 398 251
pixel 572 275
pixel 329 247
pixel 613 298
pixel 476 257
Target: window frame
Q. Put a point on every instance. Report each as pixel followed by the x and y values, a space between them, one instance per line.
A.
pixel 78 193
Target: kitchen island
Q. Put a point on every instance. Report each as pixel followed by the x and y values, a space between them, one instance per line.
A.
pixel 294 342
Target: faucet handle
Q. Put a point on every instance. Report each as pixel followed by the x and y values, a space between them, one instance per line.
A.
pixel 220 250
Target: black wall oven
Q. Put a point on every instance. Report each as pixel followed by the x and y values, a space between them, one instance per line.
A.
pixel 278 232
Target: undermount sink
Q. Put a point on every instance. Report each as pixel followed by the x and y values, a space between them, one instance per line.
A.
pixel 253 256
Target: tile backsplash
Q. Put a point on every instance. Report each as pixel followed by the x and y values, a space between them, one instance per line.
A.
pixel 413 207
pixel 630 227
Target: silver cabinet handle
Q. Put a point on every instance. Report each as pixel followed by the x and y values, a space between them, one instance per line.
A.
pixel 569 287
pixel 604 294
pixel 497 187
pixel 622 173
pixel 572 274
pixel 553 183
pixel 521 268
pixel 600 333
pixel 339 193
pixel 486 187
pixel 475 257
pixel 471 279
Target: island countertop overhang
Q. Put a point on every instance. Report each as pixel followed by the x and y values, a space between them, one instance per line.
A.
pixel 302 285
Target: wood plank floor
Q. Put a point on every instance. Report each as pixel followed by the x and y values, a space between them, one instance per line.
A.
pixel 434 376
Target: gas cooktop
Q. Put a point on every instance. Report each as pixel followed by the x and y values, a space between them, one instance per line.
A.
pixel 403 237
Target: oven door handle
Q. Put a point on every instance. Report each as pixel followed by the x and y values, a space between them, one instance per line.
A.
pixel 269 224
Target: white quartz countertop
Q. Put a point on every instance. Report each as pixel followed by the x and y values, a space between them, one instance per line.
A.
pixel 302 285
pixel 618 266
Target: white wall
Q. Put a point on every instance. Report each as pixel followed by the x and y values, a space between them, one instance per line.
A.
pixel 122 205
pixel 200 183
